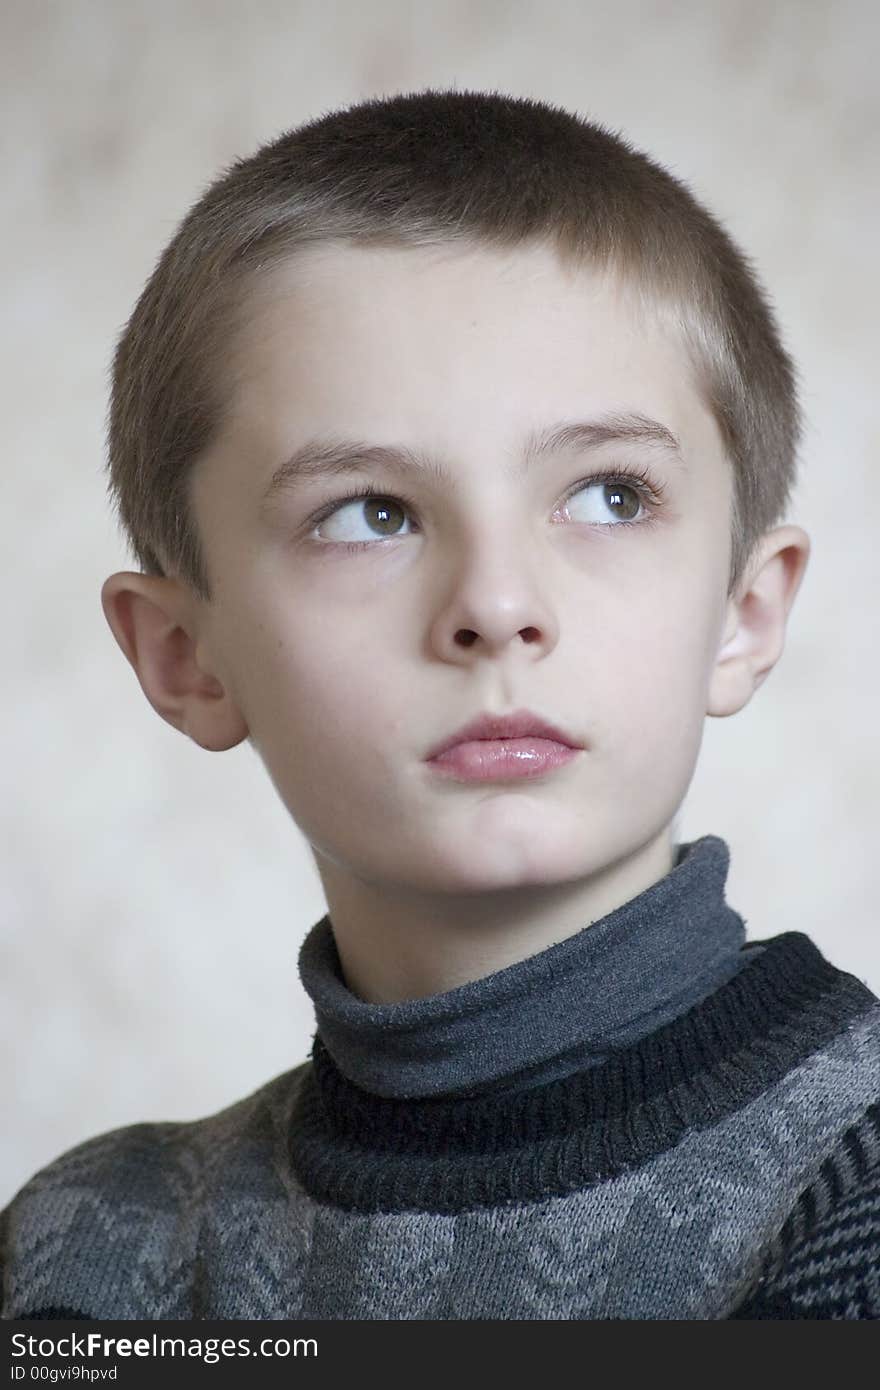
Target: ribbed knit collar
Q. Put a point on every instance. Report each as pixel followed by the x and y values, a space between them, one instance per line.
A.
pixel 557 1011
pixel 362 1152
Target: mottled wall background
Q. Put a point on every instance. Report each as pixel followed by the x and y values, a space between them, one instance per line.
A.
pixel 154 895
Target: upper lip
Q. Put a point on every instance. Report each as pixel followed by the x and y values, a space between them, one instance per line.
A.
pixel 519 723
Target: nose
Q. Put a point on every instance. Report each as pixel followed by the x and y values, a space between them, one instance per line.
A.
pixel 498 597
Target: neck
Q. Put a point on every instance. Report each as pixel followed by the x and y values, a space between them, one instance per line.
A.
pixel 397 943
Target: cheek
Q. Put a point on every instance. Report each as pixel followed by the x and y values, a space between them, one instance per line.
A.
pixel 317 700
pixel 651 684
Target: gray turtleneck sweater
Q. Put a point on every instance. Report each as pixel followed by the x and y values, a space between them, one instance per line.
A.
pixel 567 1008
pixel 652 1119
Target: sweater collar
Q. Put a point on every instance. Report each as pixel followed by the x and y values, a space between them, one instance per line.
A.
pixel 555 1012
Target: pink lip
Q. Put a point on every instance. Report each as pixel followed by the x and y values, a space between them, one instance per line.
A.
pixel 494 760
pixel 521 744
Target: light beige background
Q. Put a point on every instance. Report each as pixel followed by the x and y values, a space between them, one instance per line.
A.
pixel 154 895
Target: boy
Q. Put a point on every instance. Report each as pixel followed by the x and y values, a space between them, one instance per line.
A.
pixel 452 434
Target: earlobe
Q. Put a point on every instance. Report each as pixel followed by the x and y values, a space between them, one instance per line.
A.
pixel 148 618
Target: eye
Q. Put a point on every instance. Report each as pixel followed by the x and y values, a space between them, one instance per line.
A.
pixel 380 516
pixel 622 498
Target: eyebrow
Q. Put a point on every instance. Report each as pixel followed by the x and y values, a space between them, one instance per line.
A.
pixel 334 456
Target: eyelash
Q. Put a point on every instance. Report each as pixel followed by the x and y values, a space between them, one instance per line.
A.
pixel 651 494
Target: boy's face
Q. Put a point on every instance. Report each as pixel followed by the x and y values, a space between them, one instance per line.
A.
pixel 485 595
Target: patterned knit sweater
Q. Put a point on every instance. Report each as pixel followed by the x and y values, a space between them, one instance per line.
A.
pixel 723 1162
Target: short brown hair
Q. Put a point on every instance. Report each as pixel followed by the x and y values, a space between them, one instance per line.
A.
pixel 422 169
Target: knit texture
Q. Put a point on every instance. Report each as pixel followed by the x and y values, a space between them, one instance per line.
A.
pixel 825 1262
pixel 565 1008
pixel 725 1165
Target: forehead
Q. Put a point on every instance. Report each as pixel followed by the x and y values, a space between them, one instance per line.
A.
pixel 435 346
pixel 474 294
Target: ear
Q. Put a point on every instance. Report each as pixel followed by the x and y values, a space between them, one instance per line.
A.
pixel 754 632
pixel 156 623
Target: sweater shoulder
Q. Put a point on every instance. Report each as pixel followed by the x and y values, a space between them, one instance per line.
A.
pixel 135 1195
pixel 825 1261
pixel 139 1161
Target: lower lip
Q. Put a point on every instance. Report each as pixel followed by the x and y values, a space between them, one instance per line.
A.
pixel 500 760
